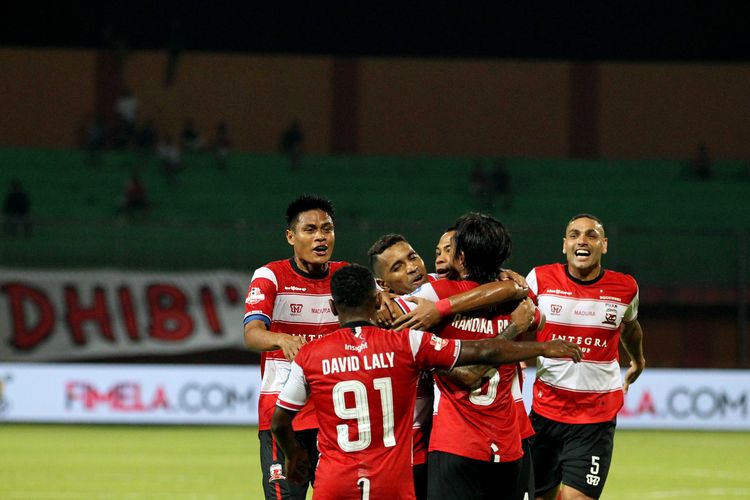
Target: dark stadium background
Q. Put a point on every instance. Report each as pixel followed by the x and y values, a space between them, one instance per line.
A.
pixel 583 34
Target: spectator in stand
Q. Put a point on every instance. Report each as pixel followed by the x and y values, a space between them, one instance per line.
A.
pixel 126 113
pixel 135 200
pixel 501 183
pixel 94 138
pixel 17 210
pixel 171 158
pixel 291 144
pixel 221 146
pixel 702 166
pixel 480 187
pixel 146 137
pixel 190 139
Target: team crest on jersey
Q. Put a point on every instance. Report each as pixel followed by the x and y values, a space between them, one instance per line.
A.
pixel 295 309
pixel 275 473
pixel 555 309
pixel 255 296
pixel 610 314
pixel 437 342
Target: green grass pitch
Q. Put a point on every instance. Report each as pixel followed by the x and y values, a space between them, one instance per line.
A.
pixel 201 463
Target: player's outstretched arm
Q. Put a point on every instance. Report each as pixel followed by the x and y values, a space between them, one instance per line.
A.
pixel 297 463
pixel 471 376
pixel 258 338
pixel 428 314
pixel 632 340
pixel 498 351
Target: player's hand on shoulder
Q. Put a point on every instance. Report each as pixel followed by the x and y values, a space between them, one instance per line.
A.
pixel 422 317
pixel 509 274
pixel 290 344
pixel 523 314
pixel 388 310
pixel 559 348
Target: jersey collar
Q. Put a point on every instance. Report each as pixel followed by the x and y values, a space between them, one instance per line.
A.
pixel 355 324
pixel 305 274
pixel 581 282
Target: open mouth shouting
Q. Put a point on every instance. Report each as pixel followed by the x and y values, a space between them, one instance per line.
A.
pixel 582 253
pixel 320 250
pixel 417 279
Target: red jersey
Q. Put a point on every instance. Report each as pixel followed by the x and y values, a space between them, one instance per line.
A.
pixel 423 409
pixel 362 380
pixel 589 313
pixel 292 301
pixel 481 424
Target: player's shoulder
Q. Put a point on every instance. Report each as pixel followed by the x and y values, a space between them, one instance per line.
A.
pixel 549 269
pixel 276 267
pixel 621 278
pixel 334 266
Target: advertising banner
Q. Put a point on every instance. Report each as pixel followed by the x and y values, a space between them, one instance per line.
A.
pixel 681 399
pixel 129 394
pixel 78 315
pixel 228 395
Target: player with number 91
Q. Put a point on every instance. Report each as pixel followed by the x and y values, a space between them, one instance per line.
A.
pixel 362 382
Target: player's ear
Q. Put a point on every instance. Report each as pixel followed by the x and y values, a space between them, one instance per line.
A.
pixel 333 307
pixel 604 245
pixel 563 246
pixel 290 237
pixel 382 284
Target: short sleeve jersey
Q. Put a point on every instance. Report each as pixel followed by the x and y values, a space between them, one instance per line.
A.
pixel 362 381
pixel 589 313
pixel 292 301
pixel 480 424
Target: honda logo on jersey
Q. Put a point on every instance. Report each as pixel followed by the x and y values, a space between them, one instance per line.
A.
pixel 295 308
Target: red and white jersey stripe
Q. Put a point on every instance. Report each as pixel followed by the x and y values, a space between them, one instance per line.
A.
pixel 589 313
pixel 291 301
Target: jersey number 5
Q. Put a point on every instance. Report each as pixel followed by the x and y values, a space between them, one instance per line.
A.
pixel 361 412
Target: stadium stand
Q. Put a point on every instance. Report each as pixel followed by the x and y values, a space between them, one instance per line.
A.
pixel 663 219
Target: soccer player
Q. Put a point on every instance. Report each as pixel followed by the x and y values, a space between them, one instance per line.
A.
pixel 362 380
pixel 444 252
pixel 575 406
pixel 400 270
pixel 426 315
pixel 475 443
pixel 287 305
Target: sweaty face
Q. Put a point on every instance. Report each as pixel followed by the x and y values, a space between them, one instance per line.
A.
pixel 312 238
pixel 402 270
pixel 444 254
pixel 583 245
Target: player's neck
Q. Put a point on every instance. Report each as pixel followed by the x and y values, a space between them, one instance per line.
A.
pixel 309 268
pixel 589 274
pixel 356 316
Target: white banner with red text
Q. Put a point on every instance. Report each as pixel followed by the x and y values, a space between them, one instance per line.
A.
pixel 129 394
pixel 78 315
pixel 664 398
pixel 199 394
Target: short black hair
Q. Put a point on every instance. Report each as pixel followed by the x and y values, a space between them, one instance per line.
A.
pixel 308 202
pixel 352 286
pixel 485 243
pixel 381 245
pixel 587 216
